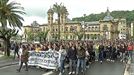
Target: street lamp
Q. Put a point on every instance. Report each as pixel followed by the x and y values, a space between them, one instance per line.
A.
pixel 83 29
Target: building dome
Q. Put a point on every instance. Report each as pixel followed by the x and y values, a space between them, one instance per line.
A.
pixel 50 11
pixel 108 17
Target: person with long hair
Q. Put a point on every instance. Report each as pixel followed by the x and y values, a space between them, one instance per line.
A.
pixel 62 57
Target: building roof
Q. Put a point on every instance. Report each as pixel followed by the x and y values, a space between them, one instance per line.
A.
pixel 92 23
pixel 70 23
pixel 50 11
pixel 108 17
pixel 44 25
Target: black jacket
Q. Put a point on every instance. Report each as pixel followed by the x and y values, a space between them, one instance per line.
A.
pixel 72 54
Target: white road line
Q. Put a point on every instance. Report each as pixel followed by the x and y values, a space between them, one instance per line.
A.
pixel 48 73
pixel 131 73
pixel 51 72
pixel 7 67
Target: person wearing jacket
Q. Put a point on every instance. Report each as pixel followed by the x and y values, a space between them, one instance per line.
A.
pixel 101 52
pixel 130 50
pixel 81 54
pixel 62 57
pixel 24 58
pixel 72 59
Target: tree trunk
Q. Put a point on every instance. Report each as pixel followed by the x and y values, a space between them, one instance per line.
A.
pixel 40 39
pixel 44 40
pixel 7 47
pixel 59 26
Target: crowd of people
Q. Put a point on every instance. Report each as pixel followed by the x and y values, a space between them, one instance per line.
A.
pixel 80 54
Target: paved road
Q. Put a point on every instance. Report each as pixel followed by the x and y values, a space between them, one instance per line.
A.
pixel 107 68
pixel 12 71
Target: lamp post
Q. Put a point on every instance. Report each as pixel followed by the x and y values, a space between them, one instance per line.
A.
pixel 84 29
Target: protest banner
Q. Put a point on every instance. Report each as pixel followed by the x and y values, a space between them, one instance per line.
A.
pixel 44 59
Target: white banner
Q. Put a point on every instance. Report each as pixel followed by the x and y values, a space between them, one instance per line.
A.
pixel 44 59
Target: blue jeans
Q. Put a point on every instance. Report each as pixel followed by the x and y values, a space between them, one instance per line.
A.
pixel 101 57
pixel 72 65
pixel 61 66
pixel 96 55
pixel 80 62
pixel 130 54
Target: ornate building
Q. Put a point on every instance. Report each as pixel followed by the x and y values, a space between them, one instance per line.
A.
pixel 107 28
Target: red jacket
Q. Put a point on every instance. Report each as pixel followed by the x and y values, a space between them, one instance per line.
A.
pixel 130 48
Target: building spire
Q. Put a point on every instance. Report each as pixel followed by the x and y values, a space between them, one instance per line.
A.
pixel 108 16
pixel 108 12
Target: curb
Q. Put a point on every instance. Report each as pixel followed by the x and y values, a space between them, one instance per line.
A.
pixel 126 72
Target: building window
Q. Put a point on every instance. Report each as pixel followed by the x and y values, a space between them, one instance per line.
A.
pixel 96 28
pixel 87 36
pixel 56 29
pixel 66 29
pixel 73 28
pixel 44 29
pixel 49 21
pixel 105 28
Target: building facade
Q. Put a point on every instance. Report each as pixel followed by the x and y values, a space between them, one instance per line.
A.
pixel 107 28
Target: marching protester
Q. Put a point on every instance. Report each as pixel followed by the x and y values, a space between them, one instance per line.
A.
pixel 78 54
pixel 123 49
pixel 23 58
pixel 38 48
pixel 101 52
pixel 81 54
pixel 16 50
pixel 130 50
pixel 62 56
pixel 113 53
pixel 96 48
pixel 72 59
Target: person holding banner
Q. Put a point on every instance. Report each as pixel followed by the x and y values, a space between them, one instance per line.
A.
pixel 38 48
pixel 24 58
pixel 62 56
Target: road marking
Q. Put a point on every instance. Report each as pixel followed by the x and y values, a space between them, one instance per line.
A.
pixel 7 67
pixel 51 72
pixel 48 73
pixel 131 73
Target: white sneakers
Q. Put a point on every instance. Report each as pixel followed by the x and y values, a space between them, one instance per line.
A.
pixel 60 73
pixel 71 73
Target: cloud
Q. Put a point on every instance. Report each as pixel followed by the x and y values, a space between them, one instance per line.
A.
pixel 30 19
pixel 36 12
pixel 76 8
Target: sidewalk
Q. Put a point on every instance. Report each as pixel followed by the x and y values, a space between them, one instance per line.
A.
pixel 132 69
pixel 7 62
pixel 132 66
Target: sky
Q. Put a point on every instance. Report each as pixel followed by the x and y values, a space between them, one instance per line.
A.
pixel 36 10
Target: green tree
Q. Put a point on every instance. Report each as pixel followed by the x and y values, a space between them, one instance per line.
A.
pixel 30 37
pixel 59 9
pixel 10 14
pixel 79 35
pixel 129 15
pixel 42 35
pixel 6 35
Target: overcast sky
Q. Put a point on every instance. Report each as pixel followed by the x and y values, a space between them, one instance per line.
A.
pixel 37 9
